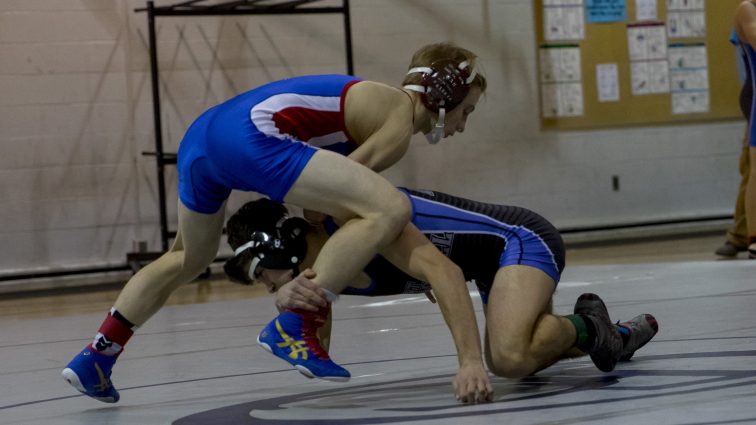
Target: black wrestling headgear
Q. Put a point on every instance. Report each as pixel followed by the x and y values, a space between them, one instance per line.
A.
pixel 262 232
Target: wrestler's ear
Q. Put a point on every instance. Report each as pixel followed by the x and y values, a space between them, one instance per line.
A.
pixel 294 228
pixel 236 269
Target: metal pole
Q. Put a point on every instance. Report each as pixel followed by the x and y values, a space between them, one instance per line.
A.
pixel 348 37
pixel 158 126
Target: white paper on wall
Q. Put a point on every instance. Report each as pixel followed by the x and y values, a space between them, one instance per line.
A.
pixel 687 56
pixel 560 64
pixel 562 100
pixel 690 102
pixel 563 20
pixel 686 24
pixel 649 77
pixel 645 10
pixel 570 99
pixel 647 42
pixel 685 4
pixel 649 70
pixel 692 79
pixel 549 100
pixel 686 18
pixel 607 79
pixel 561 81
pixel 689 78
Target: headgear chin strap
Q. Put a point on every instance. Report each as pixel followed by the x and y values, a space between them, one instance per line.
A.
pixel 444 85
pixel 437 132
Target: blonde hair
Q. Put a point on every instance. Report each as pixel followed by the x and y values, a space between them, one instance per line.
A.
pixel 431 53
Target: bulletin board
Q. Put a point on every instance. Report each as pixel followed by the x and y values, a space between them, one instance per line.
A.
pixel 605 46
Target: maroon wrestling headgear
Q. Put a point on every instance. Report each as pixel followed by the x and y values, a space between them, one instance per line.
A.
pixel 444 84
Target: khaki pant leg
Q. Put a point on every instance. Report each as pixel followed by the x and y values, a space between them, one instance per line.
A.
pixel 738 232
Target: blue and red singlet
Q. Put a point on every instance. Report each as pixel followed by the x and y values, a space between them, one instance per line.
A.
pixel 262 139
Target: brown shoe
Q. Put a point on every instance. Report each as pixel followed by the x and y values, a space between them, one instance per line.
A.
pixel 729 249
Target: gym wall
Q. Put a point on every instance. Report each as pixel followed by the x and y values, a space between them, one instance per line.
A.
pixel 76 113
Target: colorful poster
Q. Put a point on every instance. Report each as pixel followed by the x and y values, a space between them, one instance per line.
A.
pixel 603 11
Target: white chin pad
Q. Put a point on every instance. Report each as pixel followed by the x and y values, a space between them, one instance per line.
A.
pixel 437 132
pixel 252 267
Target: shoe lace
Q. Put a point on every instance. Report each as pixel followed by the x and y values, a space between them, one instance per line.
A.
pixel 631 325
pixel 311 322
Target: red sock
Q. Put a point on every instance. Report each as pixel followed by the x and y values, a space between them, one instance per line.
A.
pixel 113 334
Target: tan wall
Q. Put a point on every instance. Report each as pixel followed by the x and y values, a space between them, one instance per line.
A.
pixel 76 112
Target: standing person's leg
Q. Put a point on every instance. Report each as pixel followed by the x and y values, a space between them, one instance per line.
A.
pixel 194 248
pixel 750 202
pixel 374 213
pixel 737 234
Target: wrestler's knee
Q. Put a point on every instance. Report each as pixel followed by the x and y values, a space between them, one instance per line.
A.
pixel 193 267
pixel 394 215
pixel 510 363
pixel 182 266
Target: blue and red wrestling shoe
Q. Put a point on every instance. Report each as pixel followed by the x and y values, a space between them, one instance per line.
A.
pixel 292 336
pixel 89 372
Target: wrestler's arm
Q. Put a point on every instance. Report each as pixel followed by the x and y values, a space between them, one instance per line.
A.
pixel 745 18
pixel 379 119
pixel 417 256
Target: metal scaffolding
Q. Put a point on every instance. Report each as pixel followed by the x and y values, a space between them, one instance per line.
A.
pixel 211 8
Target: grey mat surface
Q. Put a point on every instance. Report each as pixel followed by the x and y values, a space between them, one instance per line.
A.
pixel 198 364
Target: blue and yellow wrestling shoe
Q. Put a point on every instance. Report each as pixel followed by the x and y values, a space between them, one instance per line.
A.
pixel 89 372
pixel 292 336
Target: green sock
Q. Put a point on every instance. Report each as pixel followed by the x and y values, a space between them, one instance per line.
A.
pixel 581 330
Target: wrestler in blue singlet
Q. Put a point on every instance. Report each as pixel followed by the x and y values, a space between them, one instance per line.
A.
pixel 480 238
pixel 262 139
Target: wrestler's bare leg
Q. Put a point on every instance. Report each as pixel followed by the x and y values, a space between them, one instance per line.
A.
pixel 194 248
pixel 522 336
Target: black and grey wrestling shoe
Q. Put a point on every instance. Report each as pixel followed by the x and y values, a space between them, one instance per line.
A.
pixel 607 348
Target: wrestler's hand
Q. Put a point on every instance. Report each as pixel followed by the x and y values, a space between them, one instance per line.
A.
pixel 472 385
pixel 302 293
